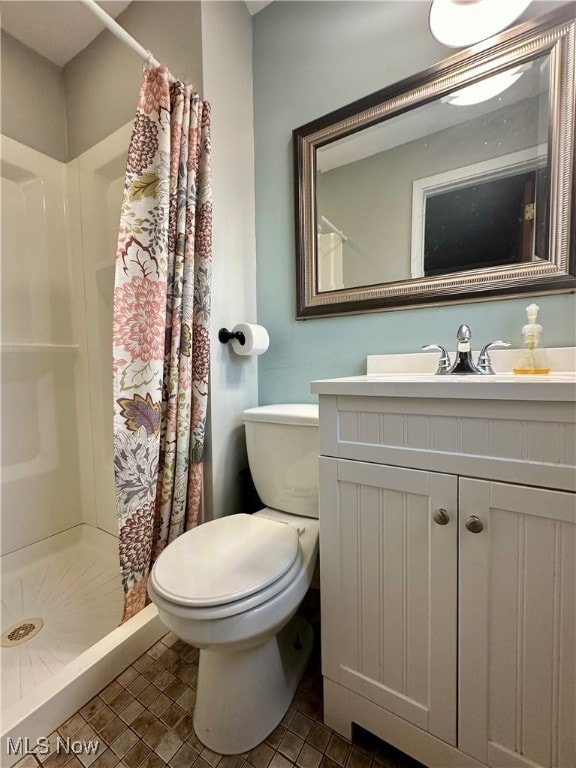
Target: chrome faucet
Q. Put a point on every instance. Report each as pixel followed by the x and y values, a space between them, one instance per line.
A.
pixel 464 365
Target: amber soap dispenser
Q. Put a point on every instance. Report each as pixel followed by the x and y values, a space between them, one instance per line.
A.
pixel 532 357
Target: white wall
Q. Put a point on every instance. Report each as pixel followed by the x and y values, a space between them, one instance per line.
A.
pixel 33 99
pixel 227 75
pixel 103 80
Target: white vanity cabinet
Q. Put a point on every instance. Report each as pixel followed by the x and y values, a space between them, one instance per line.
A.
pixel 517 638
pixel 448 547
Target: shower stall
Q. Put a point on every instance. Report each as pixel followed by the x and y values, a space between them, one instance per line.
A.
pixel 61 590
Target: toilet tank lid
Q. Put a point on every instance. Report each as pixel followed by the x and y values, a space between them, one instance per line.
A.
pixel 305 414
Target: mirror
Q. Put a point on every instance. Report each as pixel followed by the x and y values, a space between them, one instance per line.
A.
pixel 453 185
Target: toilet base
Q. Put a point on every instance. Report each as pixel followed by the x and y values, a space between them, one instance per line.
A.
pixel 242 696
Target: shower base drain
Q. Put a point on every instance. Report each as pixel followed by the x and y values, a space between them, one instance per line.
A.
pixel 21 632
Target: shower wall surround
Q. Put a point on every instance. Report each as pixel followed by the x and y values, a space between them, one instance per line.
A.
pixel 40 465
pixel 311 58
pixel 57 284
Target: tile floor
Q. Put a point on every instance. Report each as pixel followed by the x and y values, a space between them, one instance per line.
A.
pixel 143 719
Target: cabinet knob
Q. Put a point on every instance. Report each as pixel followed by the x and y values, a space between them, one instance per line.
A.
pixel 474 524
pixel 440 516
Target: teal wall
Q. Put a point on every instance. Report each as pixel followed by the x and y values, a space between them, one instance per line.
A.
pixel 311 58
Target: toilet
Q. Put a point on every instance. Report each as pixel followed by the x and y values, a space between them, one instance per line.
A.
pixel 232 586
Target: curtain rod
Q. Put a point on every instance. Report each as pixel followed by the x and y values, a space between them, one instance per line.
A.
pixel 122 35
pixel 334 229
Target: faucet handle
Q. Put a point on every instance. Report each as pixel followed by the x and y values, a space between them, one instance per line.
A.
pixel 444 363
pixel 484 363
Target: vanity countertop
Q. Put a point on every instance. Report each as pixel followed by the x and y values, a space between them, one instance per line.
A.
pixel 553 387
pixel 412 375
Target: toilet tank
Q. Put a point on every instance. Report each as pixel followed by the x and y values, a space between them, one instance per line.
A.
pixel 282 443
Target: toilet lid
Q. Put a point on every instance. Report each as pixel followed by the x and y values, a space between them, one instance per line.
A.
pixel 227 559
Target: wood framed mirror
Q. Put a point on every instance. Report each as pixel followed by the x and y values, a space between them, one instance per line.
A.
pixel 453 185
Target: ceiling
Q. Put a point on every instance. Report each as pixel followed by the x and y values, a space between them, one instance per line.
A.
pixel 256 5
pixel 56 30
pixel 60 29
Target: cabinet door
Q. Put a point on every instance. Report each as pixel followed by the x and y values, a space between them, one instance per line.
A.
pixel 517 700
pixel 388 589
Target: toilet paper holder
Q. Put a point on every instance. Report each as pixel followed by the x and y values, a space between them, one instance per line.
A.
pixel 246 339
pixel 224 336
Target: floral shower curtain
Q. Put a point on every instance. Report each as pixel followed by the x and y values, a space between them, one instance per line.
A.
pixel 161 314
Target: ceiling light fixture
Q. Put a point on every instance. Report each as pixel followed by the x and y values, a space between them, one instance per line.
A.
pixel 460 23
pixel 485 89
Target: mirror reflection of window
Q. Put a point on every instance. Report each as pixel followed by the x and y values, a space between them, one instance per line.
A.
pixel 488 224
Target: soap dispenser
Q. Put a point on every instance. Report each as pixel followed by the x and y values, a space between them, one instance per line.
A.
pixel 532 357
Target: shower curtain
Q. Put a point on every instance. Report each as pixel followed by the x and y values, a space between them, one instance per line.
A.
pixel 161 313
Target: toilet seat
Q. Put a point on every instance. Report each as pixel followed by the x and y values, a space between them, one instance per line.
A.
pixel 227 565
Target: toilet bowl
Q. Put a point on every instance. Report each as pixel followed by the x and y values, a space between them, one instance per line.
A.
pixel 231 587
